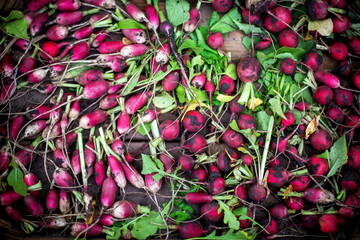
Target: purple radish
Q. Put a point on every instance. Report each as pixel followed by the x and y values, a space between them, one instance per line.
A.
pixel 4 161
pixel 106 220
pixel 288 38
pixel 134 103
pixel 35 5
pixel 110 47
pixel 67 5
pixel 199 81
pixel 21 44
pixel 126 209
pixel 197 198
pixel 25 155
pixel 33 205
pixel 278 20
pixel 83 33
pixel 13 214
pixel 323 95
pixel 9 197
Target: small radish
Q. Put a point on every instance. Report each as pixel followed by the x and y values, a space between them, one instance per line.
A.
pixel 315 195
pixel 309 221
pixel 343 98
pixel 196 198
pixel 99 172
pixel 245 222
pixel 80 51
pixel 312 60
pixel 106 220
pixel 69 18
pixel 52 200
pixel 350 181
pixel 279 176
pixel 335 114
pixel 316 10
pixel 70 139
pixel 7 66
pixel 279 211
pixel 352 120
pixel 4 161
pixel 288 67
pixel 198 175
pixel 57 33
pixel 354 157
pixel 257 193
pixel 249 69
pixel 215 40
pixel 34 128
pixel 354 45
pixel 341 24
pixel 216 185
pixel 196 143
pixel 251 18
pixel 246 121
pixel 191 24
pixel 109 4
pixel 132 175
pixel 134 12
pixel 81 229
pixel 235 107
pixel 199 81
pixel 126 209
pixel 193 121
pixel 92 119
pixel 151 184
pixel 37 76
pixel 67 5
pixel 118 146
pixel 109 101
pixel 64 179
pixel 64 201
pixel 225 159
pixel 13 214
pixel 124 123
pixel 162 55
pixel 246 159
pixel 338 3
pixel 101 36
pixel 240 192
pixel 300 183
pixel 30 179
pixel 318 166
pixel 137 101
pixel 21 44
pixel 271 227
pixel 169 130
pixel 278 20
pixel 226 84
pixel 288 38
pixel 295 203
pixel 117 171
pixel 323 95
pixel 108 192
pixel 135 35
pixel 33 205
pixel 262 45
pixel 222 6
pixel 344 68
pixel 9 197
pixel 39 23
pixel 338 51
pixel 83 33
pixel 329 224
pixel 170 82
pixel 168 162
pixel 133 50
pixel 35 5
pixel 352 200
pixel 321 140
pixel 152 16
pixel 186 162
pixel 210 212
pixel 50 50
pixel 232 138
pixel 57 70
pixel 15 126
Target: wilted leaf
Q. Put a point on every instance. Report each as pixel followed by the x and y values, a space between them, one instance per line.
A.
pixel 312 126
pixel 253 103
pixel 324 27
pixel 224 98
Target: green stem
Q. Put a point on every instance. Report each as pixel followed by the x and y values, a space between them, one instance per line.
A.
pixel 336 10
pixel 103 23
pixel 223 197
pixel 67 107
pixel 20 85
pixel 198 5
pixel 245 94
pixel 161 16
pixel 168 109
pixel 321 47
pixel 299 172
pixel 124 2
pixel 78 196
pixel 82 159
pixel 266 149
pixel 67 85
pixel 51 145
pixel 61 93
pixel 114 110
pixel 109 75
pixel 143 209
pixel 120 81
pixel 91 11
pixel 36 142
pixel 33 55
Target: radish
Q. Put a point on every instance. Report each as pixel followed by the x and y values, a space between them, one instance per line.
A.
pixel 329 224
pixel 323 95
pixel 232 138
pixel 64 202
pixel 34 128
pixel 151 184
pixel 56 70
pixel 169 130
pixel 288 67
pixel 4 160
pixel 7 90
pixel 39 23
pixel 216 185
pixel 52 200
pixel 280 211
pixel 132 175
pixel 83 33
pixel 215 40
pixel 295 203
pixel 125 209
pixel 30 179
pixel 225 159
pixel 106 220
pixel 350 181
pixel 152 16
pixel 7 66
pixel 15 126
pixel 75 162
pixel 249 69
pixel 335 114
pixel 338 51
pixel 226 84
pixel 198 175
pixel 168 162
pixel 53 132
pixel 246 121
pixel 240 192
pixel 170 82
pixel 133 50
pixel 27 64
pixel 315 195
pixel 108 192
pixel 99 170
pixel 198 81
pixel 338 3
pixel 109 101
pixel 29 17
pixel 316 9
pixel 278 19
pixel 346 212
pixel 21 44
pixel 352 200
pixel 341 24
pixel 196 143
pixel 186 162
pixel 321 140
pixel 24 155
pixel 251 18
pixel 257 193
pixel 191 24
pixel 343 98
pixel 80 51
pixel 124 123
pixel 135 35
pixel 210 212
pixel 37 76
pixel 13 214
pixel 63 179
pixel 312 60
pixel 92 119
pixel 300 183
pixel 344 68
pixel 318 166
pixel 309 221
pixel 222 6
pixel 109 4
pixel 271 227
pixel 288 38
pixel 235 107
pixel 33 205
pixel 81 229
pixel 88 76
pixel 193 121
pixel 162 55
pixel 9 197
pixel 70 139
pixel 354 157
pixel 279 176
pixel 50 50
pixel 137 101
pixel 57 33
pixel 118 146
pixel 246 159
pixel 69 18
pixel 354 45
pixel 117 171
pixel 244 223
pixel 262 45
pixel 67 5
pixel 35 5
pixel 196 198
pixel 352 120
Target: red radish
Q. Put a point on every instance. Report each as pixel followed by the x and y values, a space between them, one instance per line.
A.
pixel 352 200
pixel 69 18
pixel 246 159
pixel 222 5
pixel 109 101
pixel 135 35
pixel 7 90
pixel 124 123
pixel 135 12
pixel 198 81
pixel 118 146
pixel 251 18
pixel 25 155
pixel 312 60
pixel 343 98
pixel 191 24
pixel 13 214
pixel 54 223
pixel 89 153
pixel 70 139
pixel 323 95
pixel 151 184
pixel 318 166
pixel 210 88
pixel 288 67
pixel 132 175
pixel 33 205
pixel 226 84
pixel 354 157
pixel 315 195
pixel 244 223
pixel 225 159
pixel 95 89
pixel 246 121
pixel 109 4
pixel 168 162
pixel 346 212
pixel 27 64
pixel 37 76
pixel 133 50
pixel 117 171
pixel 30 179
pixel 126 209
pixel 350 181
pixel 110 47
pixel 335 114
pixel 67 5
pixel 215 40
pixel 338 3
pixel 170 82
pixel 235 107
pixel 186 162
pixel 309 221
pixel 316 9
pixel 193 121
pixel 338 51
pixel 134 103
pixel 152 16
pixel 279 176
pixel 83 33
pixel 341 24
pixel 295 203
pixel 60 159
pixel 210 212
pixel 240 192
pixel 9 197
pixel 352 120
pixel 271 227
pixel 232 138
pixel 88 76
pixel 162 55
pixel 7 66
pixel 29 17
pixel 169 130
pixel 300 183
pixel 34 128
pixel 80 51
pixel 57 33
pixel 257 193
pixel 35 5
pixel 290 118
pixel 279 211
pixel 344 68
pixel 63 179
pixel 4 161
pixel 196 143
pixel 106 220
pixel 108 192
pixel 21 44
pixel 80 229
pixel 329 224
pixel 15 126
pixel 50 50
pixel 278 20
pixel 288 38
pixel 101 36
pixel 216 185
pixel 354 45
pixel 321 140
pixel 199 174
pixel 39 23
pixel 52 200
pixel 249 69
pixel 99 170
pixel 196 198
pixel 302 106
pixel 262 45
pixel 57 70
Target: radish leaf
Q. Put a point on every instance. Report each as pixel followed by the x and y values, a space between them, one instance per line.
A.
pixel 16 179
pixel 177 11
pixel 148 165
pixel 130 24
pixel 338 155
pixel 227 22
pixel 229 217
pixel 15 24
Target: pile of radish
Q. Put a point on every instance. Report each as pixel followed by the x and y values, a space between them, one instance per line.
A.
pixel 264 146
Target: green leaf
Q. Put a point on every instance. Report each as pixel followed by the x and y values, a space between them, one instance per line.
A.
pixel 77 70
pixel 262 119
pixel 197 61
pixel 132 84
pixel 143 131
pixel 213 19
pixel 130 24
pixel 231 71
pixel 247 28
pixel 201 95
pixel 338 155
pixel 229 235
pixel 249 136
pixel 15 24
pixel 295 53
pixel 247 42
pixel 148 165
pixel 229 218
pixel 16 179
pixel 190 44
pixel 180 93
pixel 224 98
pixel 298 115
pixel 177 11
pixel 276 107
pixel 324 155
pixel 227 22
pixel 163 100
pixel 234 126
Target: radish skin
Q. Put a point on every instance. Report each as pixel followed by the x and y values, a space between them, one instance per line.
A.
pixel 9 197
pixel 33 205
pixel 52 200
pixel 108 192
pixel 117 171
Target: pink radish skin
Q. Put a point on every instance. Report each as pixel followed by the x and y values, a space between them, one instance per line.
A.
pixel 7 65
pixel 170 82
pixel 271 228
pixel 124 123
pixel 52 200
pixel 279 211
pixel 50 50
pixel 135 35
pixel 134 103
pixel 246 159
pixel 249 69
pixel 27 64
pixel 7 90
pixel 169 130
pixel 80 51
pixel 9 197
pixel 109 4
pixel 25 155
pixel 89 153
pixel 338 51
pixel 300 183
pixel 354 157
pixel 15 126
pixel 21 44
pixel 198 175
pixel 288 38
pixel 124 209
pixel 33 206
pixel 251 18
pixel 74 111
pixel 240 192
pixel 350 181
pixel 13 214
pixel 329 224
pixel 101 36
pixel 135 12
pixel 110 47
pixel 63 179
pixel 39 23
pixel 199 81
pixel 247 121
pixel 343 98
pixel 69 18
pixel 88 76
pixel 338 3
pixel 133 50
pixel 190 25
pixel 60 159
pixel 312 60
pixel 186 162
pixel 151 184
pixel 106 220
pixel 288 67
pixel 283 18
pixel 302 106
pixel 295 203
pixel 196 198
pixel 162 56
pixel 232 138
pixel 109 101
pixel 226 85
pixel 57 33
pixel 316 10
pixel 29 17
pixel 37 76
pixel 262 45
pixel 4 161
pixel 92 119
pixel 352 120
pixel 117 171
pixel 78 228
pixel 321 140
pixel 196 143
pixel 318 166
pixel 168 162
pixel 70 139
pixel 191 230
pixel 99 172
pixel 216 185
pixel 323 95
pixel 354 45
pixel 118 147
pixel 328 79
pixel 83 33
pixel 257 193
pixel 209 211
pixel 96 89
pixel 108 192
pixel 152 16
pixel 132 175
pixel 30 179
pixel 67 5
pixel 35 5
pixel 215 40
pixel 335 114
pixel 222 6
pixel 318 196
pixel 193 121
pixel 224 161
pixel 235 107
pixel 341 24
pixel 290 118
pixel 56 70
pixel 352 200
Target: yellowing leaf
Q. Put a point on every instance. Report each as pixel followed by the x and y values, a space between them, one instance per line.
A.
pixel 287 191
pixel 126 41
pixel 308 36
pixel 312 126
pixel 91 218
pixel 193 106
pixel 253 103
pixel 224 98
pixel 324 27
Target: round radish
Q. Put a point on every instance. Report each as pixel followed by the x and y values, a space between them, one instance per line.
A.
pixel 169 130
pixel 288 38
pixel 193 121
pixel 249 69
pixel 341 24
pixel 321 140
pixel 225 159
pixel 318 166
pixel 232 138
pixel 226 84
pixel 316 9
pixel 338 51
pixel 251 18
pixel 196 143
pixel 350 181
pixel 215 40
pixel 246 121
pixel 342 97
pixel 309 221
pixel 279 20
pixel 323 95
pixel 257 193
pixel 216 185
pixel 354 157
pixel 295 203
pixel 170 82
pixel 329 224
pixel 335 114
pixel 288 67
pixel 300 183
pixel 222 5
pixel 191 230
pixel 312 60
